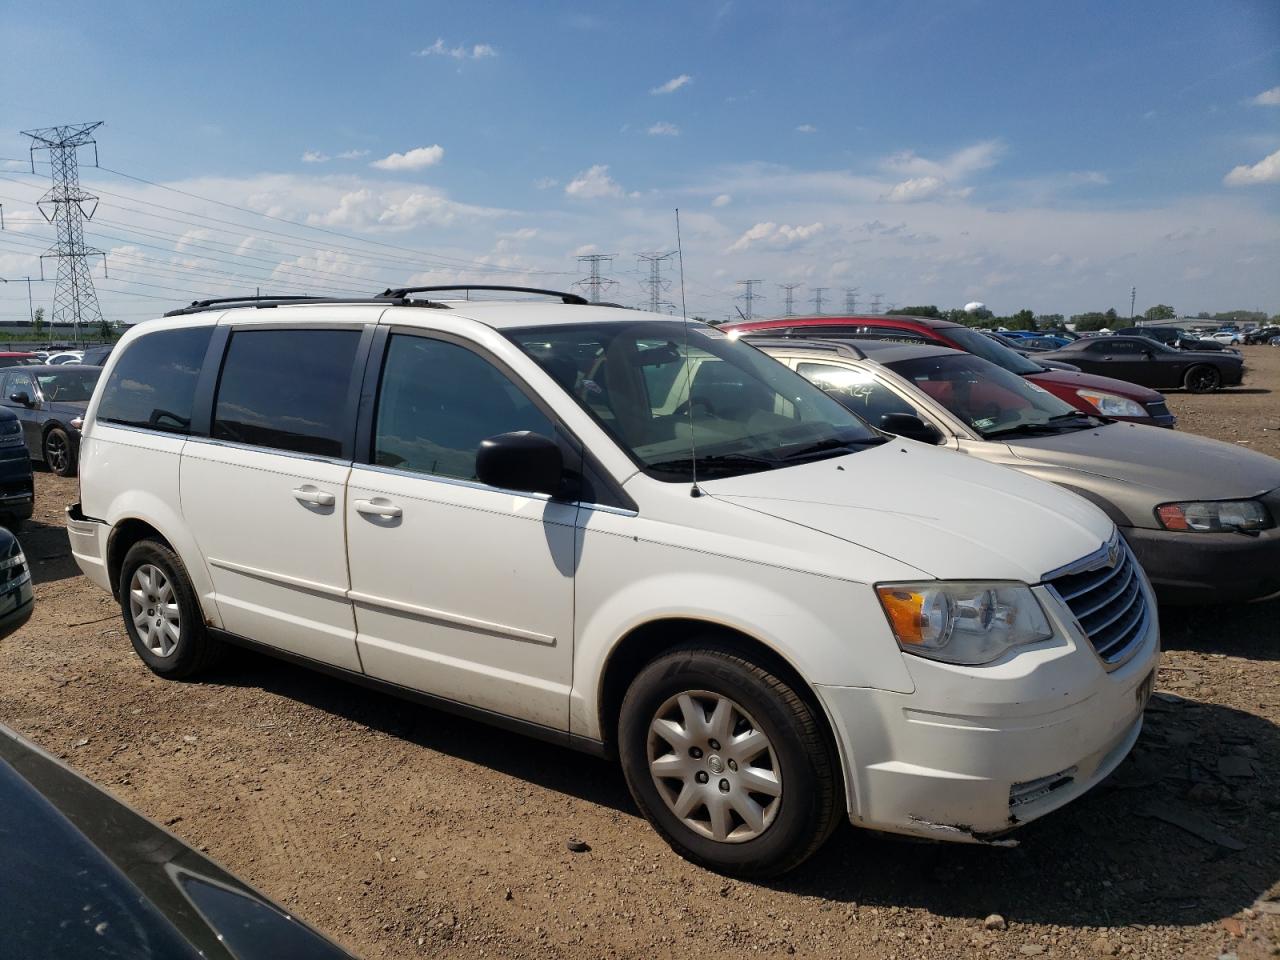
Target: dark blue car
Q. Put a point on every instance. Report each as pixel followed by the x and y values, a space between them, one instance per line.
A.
pixel 17 488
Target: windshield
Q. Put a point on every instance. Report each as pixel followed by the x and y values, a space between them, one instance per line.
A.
pixel 68 385
pixel 992 401
pixel 741 410
pixel 981 346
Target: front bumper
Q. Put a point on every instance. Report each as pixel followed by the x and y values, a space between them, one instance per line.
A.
pixel 977 751
pixel 1190 568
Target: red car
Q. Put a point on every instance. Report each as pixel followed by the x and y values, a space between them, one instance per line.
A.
pixel 13 358
pixel 1101 396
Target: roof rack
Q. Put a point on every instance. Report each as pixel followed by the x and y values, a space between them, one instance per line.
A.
pixel 805 343
pixel 266 302
pixel 402 293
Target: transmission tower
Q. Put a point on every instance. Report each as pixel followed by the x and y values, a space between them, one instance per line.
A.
pixel 851 299
pixel 789 292
pixel 875 302
pixel 749 296
pixel 593 283
pixel 74 299
pixel 817 298
pixel 655 284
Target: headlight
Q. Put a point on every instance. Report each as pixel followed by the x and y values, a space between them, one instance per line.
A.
pixel 1215 516
pixel 958 622
pixel 1113 405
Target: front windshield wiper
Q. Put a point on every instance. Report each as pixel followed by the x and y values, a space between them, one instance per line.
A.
pixel 714 460
pixel 1076 415
pixel 835 447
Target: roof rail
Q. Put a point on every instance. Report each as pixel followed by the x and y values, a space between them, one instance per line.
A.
pixel 266 302
pixel 402 293
pixel 804 343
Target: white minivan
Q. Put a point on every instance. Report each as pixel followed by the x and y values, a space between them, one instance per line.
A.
pixel 626 533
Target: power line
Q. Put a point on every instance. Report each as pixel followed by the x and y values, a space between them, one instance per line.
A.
pixel 817 298
pixel 749 296
pixel 789 293
pixel 593 283
pixel 74 298
pixel 654 282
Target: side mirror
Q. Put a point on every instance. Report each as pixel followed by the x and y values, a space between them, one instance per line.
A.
pixel 910 426
pixel 523 461
pixel 21 397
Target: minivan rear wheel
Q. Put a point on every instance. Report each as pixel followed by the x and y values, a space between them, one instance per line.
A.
pixel 728 762
pixel 161 613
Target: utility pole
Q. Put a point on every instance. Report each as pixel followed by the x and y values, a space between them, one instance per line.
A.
pixel 817 298
pixel 593 282
pixel 748 296
pixel 655 284
pixel 875 302
pixel 851 299
pixel 74 298
pixel 789 293
pixel 1133 296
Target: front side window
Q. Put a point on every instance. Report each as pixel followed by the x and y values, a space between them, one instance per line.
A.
pixel 438 401
pixel 287 389
pixel 858 390
pixel 68 384
pixel 154 382
pixel 20 383
pixel 661 401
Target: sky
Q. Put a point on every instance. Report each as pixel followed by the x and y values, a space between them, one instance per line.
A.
pixel 1024 154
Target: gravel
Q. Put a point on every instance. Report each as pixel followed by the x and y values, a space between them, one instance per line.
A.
pixel 403 832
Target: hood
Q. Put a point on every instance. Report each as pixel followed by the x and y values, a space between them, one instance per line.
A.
pixel 1210 355
pixel 1090 381
pixel 1154 465
pixel 69 408
pixel 950 515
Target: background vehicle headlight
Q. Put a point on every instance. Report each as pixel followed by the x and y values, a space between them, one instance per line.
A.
pixel 959 622
pixel 1215 516
pixel 1113 405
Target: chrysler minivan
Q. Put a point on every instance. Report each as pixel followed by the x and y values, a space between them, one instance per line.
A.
pixel 628 534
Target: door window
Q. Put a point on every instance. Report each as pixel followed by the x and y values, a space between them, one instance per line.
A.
pixel 154 382
pixel 858 390
pixel 20 383
pixel 287 389
pixel 438 401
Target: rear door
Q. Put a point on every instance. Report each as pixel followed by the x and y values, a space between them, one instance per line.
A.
pixel 461 590
pixel 263 491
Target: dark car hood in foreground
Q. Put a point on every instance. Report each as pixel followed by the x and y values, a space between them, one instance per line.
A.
pixel 1149 466
pixel 1090 381
pixel 85 876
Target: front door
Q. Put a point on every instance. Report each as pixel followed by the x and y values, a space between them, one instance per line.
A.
pixel 263 494
pixel 17 380
pixel 461 590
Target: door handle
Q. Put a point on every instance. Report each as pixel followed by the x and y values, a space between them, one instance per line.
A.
pixel 377 508
pixel 310 494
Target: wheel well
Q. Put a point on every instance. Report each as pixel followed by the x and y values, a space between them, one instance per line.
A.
pixel 647 642
pixel 123 536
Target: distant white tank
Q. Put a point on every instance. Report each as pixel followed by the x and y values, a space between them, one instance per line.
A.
pixel 974 307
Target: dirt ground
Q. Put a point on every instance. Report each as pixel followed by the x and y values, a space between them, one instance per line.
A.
pixel 403 832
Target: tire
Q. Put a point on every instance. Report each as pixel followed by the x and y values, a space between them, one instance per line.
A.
pixel 59 454
pixel 162 615
pixel 797 767
pixel 1202 379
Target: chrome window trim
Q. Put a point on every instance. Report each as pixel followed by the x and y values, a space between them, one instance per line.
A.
pixel 274 451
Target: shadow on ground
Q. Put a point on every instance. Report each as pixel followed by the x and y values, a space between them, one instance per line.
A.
pixel 1111 858
pixel 1249 630
pixel 47 550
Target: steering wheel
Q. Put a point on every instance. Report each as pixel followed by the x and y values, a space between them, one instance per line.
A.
pixel 705 404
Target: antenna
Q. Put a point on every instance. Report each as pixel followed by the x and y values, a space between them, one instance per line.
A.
pixel 688 366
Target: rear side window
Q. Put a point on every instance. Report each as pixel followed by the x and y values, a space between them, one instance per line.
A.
pixel 153 383
pixel 287 389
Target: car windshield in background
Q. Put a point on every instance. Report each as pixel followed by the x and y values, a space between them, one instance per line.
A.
pixel 994 402
pixel 68 385
pixel 986 348
pixel 742 411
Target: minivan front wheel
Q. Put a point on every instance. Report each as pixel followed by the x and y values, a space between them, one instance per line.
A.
pixel 728 762
pixel 161 613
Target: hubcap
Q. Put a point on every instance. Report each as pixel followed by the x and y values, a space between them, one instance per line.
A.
pixel 154 608
pixel 714 767
pixel 56 452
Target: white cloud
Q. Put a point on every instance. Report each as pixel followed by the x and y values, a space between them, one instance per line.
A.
pixel 775 235
pixel 315 156
pixel 806 128
pixel 1266 170
pixel 664 129
pixel 477 51
pixel 963 163
pixel 672 85
pixel 546 183
pixel 414 159
pixel 352 154
pixel 723 200
pixel 915 189
pixel 593 183
pixel 1267 98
